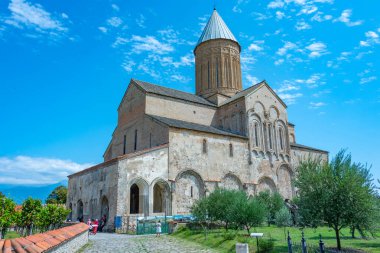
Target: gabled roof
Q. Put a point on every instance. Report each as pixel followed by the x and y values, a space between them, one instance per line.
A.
pixel 242 93
pixel 216 29
pixel 251 89
pixel 193 126
pixel 296 145
pixel 167 92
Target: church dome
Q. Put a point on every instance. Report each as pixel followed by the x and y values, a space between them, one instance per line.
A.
pixel 216 29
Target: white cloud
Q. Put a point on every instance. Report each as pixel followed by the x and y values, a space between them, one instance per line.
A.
pixel 103 29
pixel 280 15
pixel 317 49
pixel 316 105
pixel 287 46
pixel 25 14
pixel 279 62
pixel 320 17
pixel 365 80
pixel 115 21
pixel 313 81
pixel 308 9
pixel 236 9
pixel 289 98
pixel 252 79
pixel 287 86
pixel 372 38
pixel 302 25
pixel 255 46
pixel 140 21
pixel 26 170
pixel 115 7
pixel 180 78
pixel 260 16
pixel 276 4
pixel 128 64
pixel 149 44
pixel 345 17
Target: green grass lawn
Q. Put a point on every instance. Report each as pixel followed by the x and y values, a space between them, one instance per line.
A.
pixel 218 240
pixel 11 235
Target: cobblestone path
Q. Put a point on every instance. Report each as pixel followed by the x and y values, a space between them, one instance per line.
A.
pixel 104 242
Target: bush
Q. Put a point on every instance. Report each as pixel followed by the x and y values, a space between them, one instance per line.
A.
pixel 229 235
pixel 266 246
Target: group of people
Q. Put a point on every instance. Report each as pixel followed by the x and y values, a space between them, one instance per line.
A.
pixel 94 226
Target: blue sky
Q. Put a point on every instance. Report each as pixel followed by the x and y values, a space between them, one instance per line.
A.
pixel 64 66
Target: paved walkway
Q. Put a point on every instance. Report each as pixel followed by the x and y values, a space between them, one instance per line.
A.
pixel 104 242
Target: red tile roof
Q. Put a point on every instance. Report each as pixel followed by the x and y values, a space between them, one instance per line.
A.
pixel 39 243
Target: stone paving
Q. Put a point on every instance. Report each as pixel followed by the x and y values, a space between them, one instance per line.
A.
pixel 104 242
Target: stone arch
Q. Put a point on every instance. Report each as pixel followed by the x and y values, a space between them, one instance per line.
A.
pixel 284 181
pixel 80 210
pixel 138 196
pixel 161 196
pixel 274 113
pixel 259 108
pixel 231 182
pixel 189 187
pixel 266 183
pixel 104 207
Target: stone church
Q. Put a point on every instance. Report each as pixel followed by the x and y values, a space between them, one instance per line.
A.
pixel 170 148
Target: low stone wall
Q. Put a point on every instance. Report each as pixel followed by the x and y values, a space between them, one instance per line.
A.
pixel 72 245
pixel 64 240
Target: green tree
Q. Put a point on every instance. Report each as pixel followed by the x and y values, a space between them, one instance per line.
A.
pixel 7 214
pixel 200 211
pixel 29 213
pixel 248 212
pixel 273 202
pixel 57 196
pixel 51 216
pixel 334 193
pixel 220 208
pixel 283 218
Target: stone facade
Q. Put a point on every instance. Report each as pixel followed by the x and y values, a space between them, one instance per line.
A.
pixel 171 148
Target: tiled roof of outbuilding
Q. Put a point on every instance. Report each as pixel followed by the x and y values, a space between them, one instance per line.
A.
pixel 193 126
pixel 167 92
pixel 41 242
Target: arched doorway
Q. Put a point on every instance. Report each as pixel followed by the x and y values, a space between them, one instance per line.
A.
pixel 80 210
pixel 104 207
pixel 161 198
pixel 134 199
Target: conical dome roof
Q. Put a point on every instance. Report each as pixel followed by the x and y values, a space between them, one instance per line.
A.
pixel 216 29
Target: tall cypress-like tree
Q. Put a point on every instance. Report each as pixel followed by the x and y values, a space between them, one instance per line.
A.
pixel 339 193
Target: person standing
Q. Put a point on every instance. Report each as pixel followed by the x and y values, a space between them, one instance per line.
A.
pixel 158 229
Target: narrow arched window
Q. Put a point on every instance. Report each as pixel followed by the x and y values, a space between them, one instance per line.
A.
pixel 281 139
pixel 204 146
pixel 270 135
pixel 208 75
pixel 256 134
pixel 231 150
pixel 217 73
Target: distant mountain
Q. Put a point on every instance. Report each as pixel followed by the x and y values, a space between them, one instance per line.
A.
pixel 20 193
